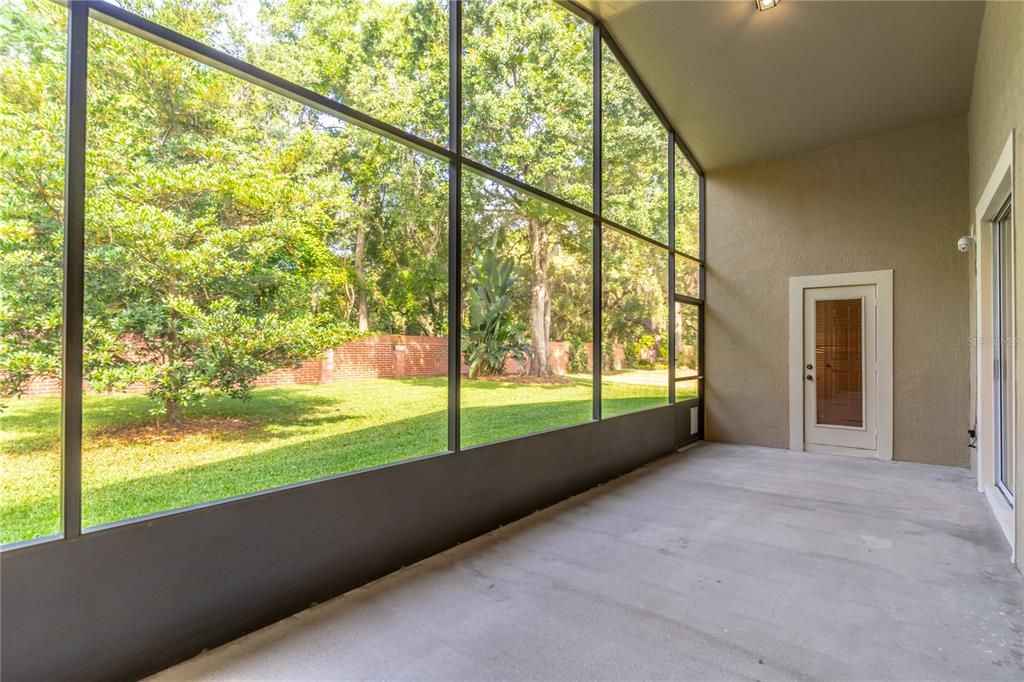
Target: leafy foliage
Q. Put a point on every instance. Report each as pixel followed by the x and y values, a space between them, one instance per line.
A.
pixel 635 299
pixel 578 358
pixel 231 231
pixel 492 336
pixel 687 206
pixel 31 185
pixel 634 155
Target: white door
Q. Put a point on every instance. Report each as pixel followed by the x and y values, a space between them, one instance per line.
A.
pixel 840 369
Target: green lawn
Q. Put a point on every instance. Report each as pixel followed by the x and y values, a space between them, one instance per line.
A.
pixel 133 465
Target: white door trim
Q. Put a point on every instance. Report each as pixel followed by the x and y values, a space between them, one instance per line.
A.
pixel 997 190
pixel 882 280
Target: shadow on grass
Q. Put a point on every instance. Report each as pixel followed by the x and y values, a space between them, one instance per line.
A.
pixel 34 429
pixel 307 460
pixel 274 413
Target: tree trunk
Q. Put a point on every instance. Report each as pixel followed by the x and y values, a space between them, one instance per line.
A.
pixel 360 267
pixel 172 408
pixel 173 411
pixel 540 298
pixel 655 351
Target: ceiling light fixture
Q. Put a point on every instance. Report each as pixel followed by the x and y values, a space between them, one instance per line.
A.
pixel 762 5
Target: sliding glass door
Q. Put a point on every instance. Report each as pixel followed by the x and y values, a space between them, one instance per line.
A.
pixel 1005 342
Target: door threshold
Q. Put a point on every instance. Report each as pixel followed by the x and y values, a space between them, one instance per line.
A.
pixel 838 450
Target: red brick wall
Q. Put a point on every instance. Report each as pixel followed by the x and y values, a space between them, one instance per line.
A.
pixel 308 372
pixel 395 356
pixel 370 357
pixel 42 387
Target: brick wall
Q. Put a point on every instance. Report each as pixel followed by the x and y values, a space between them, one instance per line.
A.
pixel 370 357
pixel 558 359
pixel 42 387
pixel 373 357
pixel 309 372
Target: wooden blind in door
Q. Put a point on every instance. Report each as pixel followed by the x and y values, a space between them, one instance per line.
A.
pixel 839 362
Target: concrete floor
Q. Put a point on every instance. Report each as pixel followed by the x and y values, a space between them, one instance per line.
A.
pixel 719 562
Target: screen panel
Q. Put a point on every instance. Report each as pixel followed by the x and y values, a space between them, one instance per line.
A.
pixel 255 315
pixel 634 155
pixel 527 88
pixel 687 206
pixel 634 324
pixel 386 58
pixel 526 337
pixel 33 49
pixel 687 340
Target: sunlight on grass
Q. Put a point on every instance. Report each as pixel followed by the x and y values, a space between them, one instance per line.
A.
pixel 497 410
pixel 631 390
pixel 135 465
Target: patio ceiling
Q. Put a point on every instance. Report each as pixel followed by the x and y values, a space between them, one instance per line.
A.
pixel 741 85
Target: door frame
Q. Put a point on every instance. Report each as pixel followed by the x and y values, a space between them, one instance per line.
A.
pixel 882 281
pixel 1003 330
pixel 998 188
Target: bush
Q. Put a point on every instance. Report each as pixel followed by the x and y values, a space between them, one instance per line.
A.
pixel 607 354
pixel 640 352
pixel 493 335
pixel 578 359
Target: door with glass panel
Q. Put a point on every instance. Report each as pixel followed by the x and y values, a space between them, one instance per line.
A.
pixel 1003 347
pixel 840 370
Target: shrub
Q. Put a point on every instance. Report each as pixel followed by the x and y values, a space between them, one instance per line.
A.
pixel 578 359
pixel 493 335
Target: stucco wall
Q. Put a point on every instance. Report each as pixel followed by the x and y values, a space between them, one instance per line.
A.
pixel 997 107
pixel 897 201
pixel 997 102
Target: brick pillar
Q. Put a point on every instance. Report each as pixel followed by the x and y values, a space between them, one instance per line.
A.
pixel 327 367
pixel 400 351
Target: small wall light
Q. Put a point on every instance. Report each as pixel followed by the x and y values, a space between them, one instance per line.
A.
pixel 762 5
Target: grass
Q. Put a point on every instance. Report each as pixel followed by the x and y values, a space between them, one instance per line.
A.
pixel 134 465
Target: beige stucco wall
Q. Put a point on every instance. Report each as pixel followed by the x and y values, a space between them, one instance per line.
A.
pixel 894 201
pixel 997 107
pixel 997 102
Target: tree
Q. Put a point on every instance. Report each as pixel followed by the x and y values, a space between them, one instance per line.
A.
pixel 231 231
pixel 634 155
pixel 687 207
pixel 31 188
pixel 635 300
pixel 527 86
pixel 205 255
pixel 389 59
pixel 635 183
pixel 206 246
pixel 492 336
